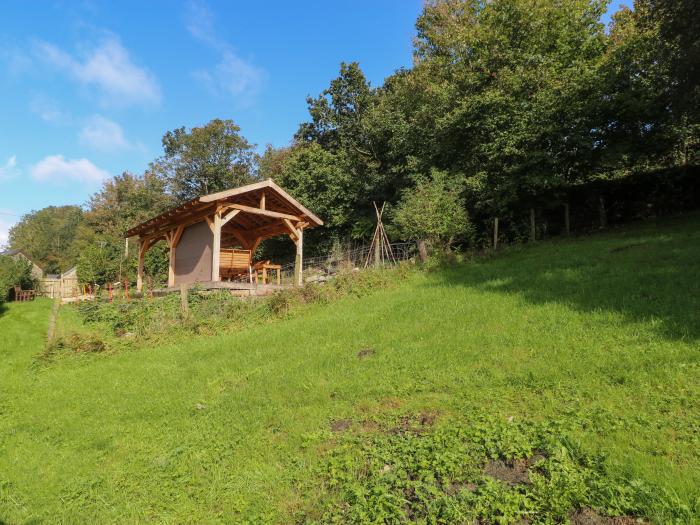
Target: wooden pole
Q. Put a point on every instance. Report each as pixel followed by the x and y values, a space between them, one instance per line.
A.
pixel 184 302
pixel 602 215
pixel 377 247
pixel 139 273
pixel 216 255
pixel 298 268
pixel 495 234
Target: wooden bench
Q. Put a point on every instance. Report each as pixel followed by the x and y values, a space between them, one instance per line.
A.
pixel 235 263
pixel 24 295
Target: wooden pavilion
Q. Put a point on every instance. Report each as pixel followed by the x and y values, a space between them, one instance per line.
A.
pixel 202 233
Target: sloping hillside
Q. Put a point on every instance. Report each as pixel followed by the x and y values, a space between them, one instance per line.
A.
pixel 596 338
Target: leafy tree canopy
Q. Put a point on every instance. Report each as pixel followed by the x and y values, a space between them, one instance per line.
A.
pixel 206 159
pixel 48 236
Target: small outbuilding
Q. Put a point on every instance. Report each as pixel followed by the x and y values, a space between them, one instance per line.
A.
pixel 37 272
pixel 212 235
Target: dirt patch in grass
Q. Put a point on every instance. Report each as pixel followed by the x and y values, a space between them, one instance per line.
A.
pixel 513 472
pixel 455 488
pixel 416 424
pixel 365 353
pixel 588 516
pixel 341 425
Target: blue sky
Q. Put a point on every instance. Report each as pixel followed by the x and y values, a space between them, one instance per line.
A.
pixel 87 88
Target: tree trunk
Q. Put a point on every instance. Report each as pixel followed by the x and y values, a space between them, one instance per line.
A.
pixel 567 223
pixel 422 250
pixel 602 215
pixel 533 231
pixel 495 234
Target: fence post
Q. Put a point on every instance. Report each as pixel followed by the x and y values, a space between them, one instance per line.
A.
pixel 602 215
pixel 184 301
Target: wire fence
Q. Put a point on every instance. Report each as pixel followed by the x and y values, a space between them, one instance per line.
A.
pixel 316 268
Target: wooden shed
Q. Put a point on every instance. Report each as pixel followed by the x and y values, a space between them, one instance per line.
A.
pixel 202 231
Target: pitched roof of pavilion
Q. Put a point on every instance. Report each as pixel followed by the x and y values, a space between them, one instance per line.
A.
pixel 279 206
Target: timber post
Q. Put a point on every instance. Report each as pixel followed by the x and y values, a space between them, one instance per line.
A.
pixel 143 246
pixel 173 238
pixel 298 261
pixel 216 248
pixel 495 233
pixel 184 300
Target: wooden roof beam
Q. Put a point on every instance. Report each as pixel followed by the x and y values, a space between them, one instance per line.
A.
pixel 266 213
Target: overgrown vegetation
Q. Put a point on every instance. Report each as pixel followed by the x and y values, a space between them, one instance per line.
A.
pixel 112 325
pixel 481 469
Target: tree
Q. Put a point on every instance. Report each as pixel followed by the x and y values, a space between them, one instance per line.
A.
pixel 48 235
pixel 206 159
pixel 432 213
pixel 123 202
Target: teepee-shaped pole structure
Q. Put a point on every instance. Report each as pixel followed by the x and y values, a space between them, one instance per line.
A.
pixel 380 247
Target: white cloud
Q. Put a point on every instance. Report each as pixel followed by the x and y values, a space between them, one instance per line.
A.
pixel 7 220
pixel 103 134
pixel 56 168
pixel 109 68
pixel 9 170
pixel 5 226
pixel 48 110
pixel 232 75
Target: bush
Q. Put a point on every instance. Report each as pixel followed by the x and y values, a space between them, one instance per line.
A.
pixel 433 212
pixel 14 272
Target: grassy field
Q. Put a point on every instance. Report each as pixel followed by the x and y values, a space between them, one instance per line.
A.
pixel 601 334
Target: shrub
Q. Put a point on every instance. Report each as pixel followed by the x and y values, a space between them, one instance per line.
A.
pixel 14 272
pixel 433 211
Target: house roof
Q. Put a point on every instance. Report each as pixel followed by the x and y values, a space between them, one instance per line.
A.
pixel 277 201
pixel 10 253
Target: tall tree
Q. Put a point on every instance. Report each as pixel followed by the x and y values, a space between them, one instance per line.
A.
pixel 206 159
pixel 48 235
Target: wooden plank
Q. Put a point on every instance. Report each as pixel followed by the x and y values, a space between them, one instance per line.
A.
pixel 266 213
pixel 230 215
pixel 298 263
pixel 293 232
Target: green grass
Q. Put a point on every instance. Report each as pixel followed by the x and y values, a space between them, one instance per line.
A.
pixel 602 331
